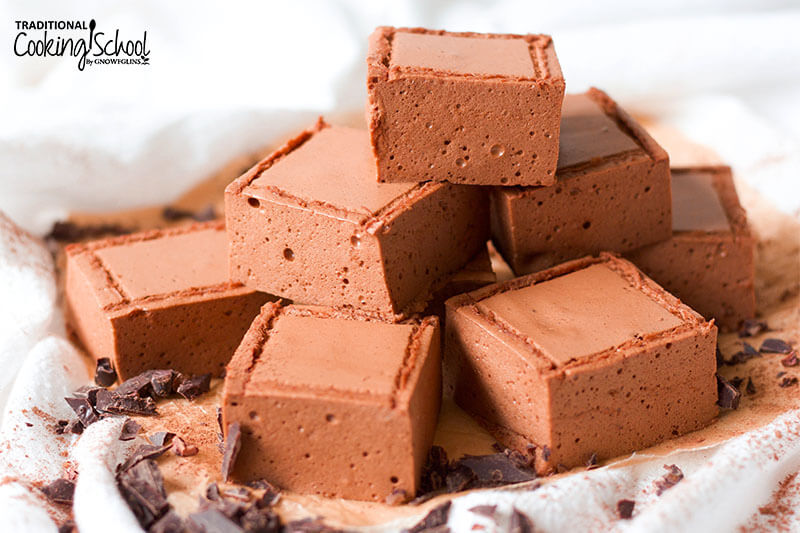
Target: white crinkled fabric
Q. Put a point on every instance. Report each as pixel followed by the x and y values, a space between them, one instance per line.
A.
pixel 727 76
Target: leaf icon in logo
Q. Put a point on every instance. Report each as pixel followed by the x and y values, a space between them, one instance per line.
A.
pixel 92 24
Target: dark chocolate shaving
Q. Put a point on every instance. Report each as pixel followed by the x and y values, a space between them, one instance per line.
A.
pixel 728 395
pixel 791 360
pixel 592 461
pixel 673 476
pixel 788 381
pixel 130 428
pixel 495 470
pixel 436 518
pixel 459 478
pixel 484 510
pixel 84 409
pixel 720 358
pixel 161 438
pixel 397 497
pixel 260 520
pixel 745 354
pixel 750 388
pixel 520 523
pixel 151 383
pixel 104 374
pixel 111 402
pixel 169 523
pixel 71 232
pixel 752 327
pixel 194 386
pixel 308 525
pixel 74 427
pixel 181 449
pixel 68 527
pixel 625 509
pixel 233 443
pixel 142 487
pixel 142 453
pixel 435 470
pixel 775 346
pixel 60 491
pixel 546 453
pixel 174 214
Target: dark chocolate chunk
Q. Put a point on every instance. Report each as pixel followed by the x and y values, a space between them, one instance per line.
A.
pixel 520 523
pixel 727 394
pixel 745 354
pixel 130 428
pixel 161 438
pixel 434 471
pixel 163 382
pixel 181 449
pixel 136 386
pixel 59 491
pixel 74 426
pixel 775 346
pixel 111 402
pixel 68 527
pixel 233 443
pixel 173 214
pixel 212 521
pixel 59 427
pixel 237 493
pixel 788 381
pixel 484 510
pixel 169 523
pixel 459 478
pixel 192 387
pixel 720 358
pixel 750 388
pixel 592 461
pixel 83 408
pixel 669 480
pixel 397 497
pixel 752 327
pixel 261 521
pixel 142 487
pixel 545 453
pixel 625 509
pixel 495 470
pixel 436 518
pixel 143 452
pixel 89 392
pixel 791 360
pixel 104 374
pixel 71 232
pixel 737 382
pixel 271 496
pixel 308 525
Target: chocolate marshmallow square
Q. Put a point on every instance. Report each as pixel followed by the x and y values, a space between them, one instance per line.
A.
pixel 708 263
pixel 469 108
pixel 588 357
pixel 311 223
pixel 337 403
pixel 159 299
pixel 612 192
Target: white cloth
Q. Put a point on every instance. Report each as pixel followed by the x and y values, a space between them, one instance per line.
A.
pixel 226 79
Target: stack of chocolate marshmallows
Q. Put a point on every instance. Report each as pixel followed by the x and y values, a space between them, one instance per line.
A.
pixel 353 239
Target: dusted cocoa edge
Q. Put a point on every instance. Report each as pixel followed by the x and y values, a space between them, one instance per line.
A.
pixel 547 84
pixel 98 307
pixel 713 291
pixel 390 418
pixel 385 273
pixel 607 188
pixel 550 387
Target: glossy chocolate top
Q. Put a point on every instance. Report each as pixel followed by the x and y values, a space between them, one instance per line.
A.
pixel 588 133
pixel 333 353
pixel 169 263
pixel 696 205
pixel 579 314
pixel 476 55
pixel 335 167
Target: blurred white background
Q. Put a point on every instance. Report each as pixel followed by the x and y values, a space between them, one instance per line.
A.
pixel 226 77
